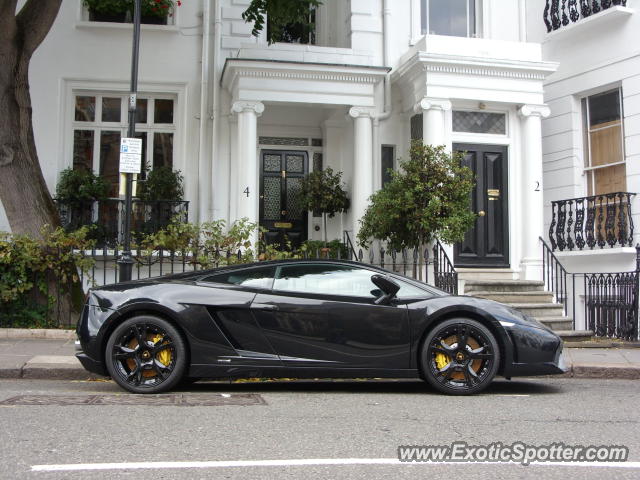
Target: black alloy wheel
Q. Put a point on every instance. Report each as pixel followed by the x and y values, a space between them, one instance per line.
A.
pixel 460 356
pixel 146 354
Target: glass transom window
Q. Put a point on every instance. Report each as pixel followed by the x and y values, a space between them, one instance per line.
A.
pixel 479 122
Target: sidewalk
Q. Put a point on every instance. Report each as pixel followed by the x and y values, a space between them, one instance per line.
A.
pixel 54 358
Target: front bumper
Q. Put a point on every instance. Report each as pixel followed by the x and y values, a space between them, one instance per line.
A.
pixel 536 352
pixel 92 365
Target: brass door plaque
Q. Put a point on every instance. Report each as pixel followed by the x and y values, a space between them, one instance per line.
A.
pixel 283 225
pixel 493 192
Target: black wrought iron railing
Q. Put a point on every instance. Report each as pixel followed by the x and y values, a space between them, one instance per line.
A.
pixel 560 13
pixel 595 221
pixel 107 217
pixel 559 281
pixel 444 273
pixel 610 299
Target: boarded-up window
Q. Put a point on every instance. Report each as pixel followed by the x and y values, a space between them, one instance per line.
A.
pixel 604 143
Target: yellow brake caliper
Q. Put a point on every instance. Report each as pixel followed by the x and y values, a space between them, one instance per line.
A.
pixel 163 356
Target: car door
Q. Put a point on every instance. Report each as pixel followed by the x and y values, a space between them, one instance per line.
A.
pixel 323 315
pixel 235 320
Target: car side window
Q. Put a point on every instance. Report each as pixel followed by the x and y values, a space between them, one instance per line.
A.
pixel 325 279
pixel 409 291
pixel 251 277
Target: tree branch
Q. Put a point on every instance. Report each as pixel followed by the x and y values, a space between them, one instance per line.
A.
pixel 35 20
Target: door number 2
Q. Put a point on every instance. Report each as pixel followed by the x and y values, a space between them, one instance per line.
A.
pixel 537 189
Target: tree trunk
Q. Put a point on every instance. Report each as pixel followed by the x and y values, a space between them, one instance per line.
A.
pixel 23 190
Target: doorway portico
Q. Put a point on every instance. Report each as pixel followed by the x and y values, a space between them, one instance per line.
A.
pixel 254 86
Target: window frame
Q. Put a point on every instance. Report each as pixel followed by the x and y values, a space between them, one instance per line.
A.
pixel 590 185
pixel 423 19
pixel 98 126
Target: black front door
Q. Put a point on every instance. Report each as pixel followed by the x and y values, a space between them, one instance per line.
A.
pixel 487 243
pixel 281 210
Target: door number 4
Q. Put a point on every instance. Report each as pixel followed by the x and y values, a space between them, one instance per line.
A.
pixel 246 192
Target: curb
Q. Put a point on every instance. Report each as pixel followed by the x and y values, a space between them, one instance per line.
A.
pixel 68 371
pixel 47 333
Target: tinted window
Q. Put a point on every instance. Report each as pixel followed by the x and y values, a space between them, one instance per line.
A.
pixel 335 280
pixel 254 277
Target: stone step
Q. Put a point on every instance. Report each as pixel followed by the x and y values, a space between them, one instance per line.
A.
pixel 471 274
pixel 539 310
pixel 557 323
pixel 514 297
pixel 503 285
pixel 571 336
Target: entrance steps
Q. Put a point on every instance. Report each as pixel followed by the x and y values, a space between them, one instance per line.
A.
pixel 530 298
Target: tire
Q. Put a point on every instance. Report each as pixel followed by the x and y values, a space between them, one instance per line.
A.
pixel 157 367
pixel 460 356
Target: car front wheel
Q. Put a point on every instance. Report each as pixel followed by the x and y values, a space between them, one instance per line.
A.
pixel 460 356
pixel 146 354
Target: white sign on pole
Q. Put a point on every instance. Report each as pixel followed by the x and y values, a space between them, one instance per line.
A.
pixel 130 155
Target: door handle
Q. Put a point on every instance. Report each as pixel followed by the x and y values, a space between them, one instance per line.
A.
pixel 264 306
pixel 481 213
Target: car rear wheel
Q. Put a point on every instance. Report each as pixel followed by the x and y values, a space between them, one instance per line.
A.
pixel 460 356
pixel 146 354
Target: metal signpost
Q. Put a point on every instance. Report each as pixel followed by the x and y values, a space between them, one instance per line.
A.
pixel 130 150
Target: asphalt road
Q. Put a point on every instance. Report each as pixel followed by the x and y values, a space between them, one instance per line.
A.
pixel 306 420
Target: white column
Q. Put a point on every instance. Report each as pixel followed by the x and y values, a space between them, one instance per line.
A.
pixel 531 191
pixel 246 190
pixel 362 165
pixel 433 120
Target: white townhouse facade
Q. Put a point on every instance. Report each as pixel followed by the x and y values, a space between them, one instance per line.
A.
pixel 244 121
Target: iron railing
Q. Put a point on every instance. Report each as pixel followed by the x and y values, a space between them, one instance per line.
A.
pixel 444 274
pixel 610 299
pixel 560 13
pixel 595 221
pixel 107 217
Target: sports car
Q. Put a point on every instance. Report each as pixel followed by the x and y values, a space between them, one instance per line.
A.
pixel 306 319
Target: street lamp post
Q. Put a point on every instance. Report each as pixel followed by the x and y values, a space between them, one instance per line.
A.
pixel 126 260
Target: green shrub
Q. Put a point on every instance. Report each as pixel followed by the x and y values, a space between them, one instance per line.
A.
pixel 29 268
pixel 79 186
pixel 162 183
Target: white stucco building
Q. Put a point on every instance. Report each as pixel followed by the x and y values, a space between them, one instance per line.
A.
pixel 244 121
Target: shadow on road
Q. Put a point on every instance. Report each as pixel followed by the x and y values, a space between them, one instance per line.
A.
pixel 499 387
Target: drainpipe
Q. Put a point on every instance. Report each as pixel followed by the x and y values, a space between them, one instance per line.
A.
pixel 204 161
pixel 386 113
pixel 217 35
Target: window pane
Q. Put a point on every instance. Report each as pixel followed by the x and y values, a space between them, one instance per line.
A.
pixel 416 127
pixel 448 17
pixel 409 291
pixel 326 279
pixel 110 160
pixel 606 145
pixel 162 150
pixel 256 278
pixel 83 149
pixel 111 109
pixel 607 180
pixel 141 110
pixel 143 137
pixel 480 122
pixel 163 111
pixel 387 163
pixel 85 109
pixel 604 108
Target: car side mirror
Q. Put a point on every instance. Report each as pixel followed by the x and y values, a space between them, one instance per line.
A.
pixel 388 287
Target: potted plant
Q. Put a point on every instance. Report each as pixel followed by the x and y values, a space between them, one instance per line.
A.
pixel 161 190
pixel 76 192
pixel 323 192
pixel 108 10
pixel 157 11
